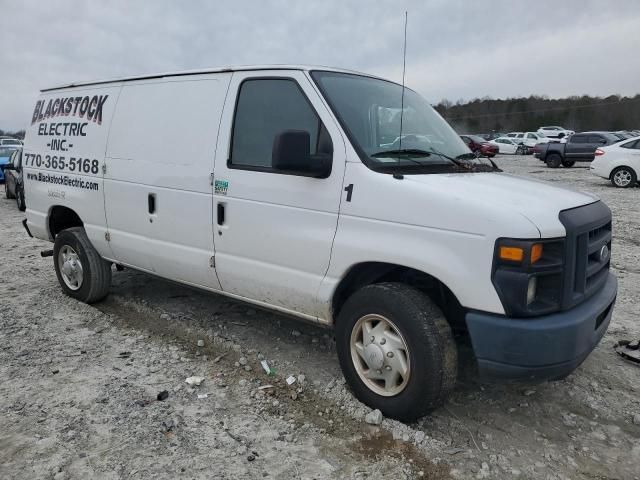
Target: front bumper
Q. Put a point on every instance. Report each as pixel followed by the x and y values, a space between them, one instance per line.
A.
pixel 541 348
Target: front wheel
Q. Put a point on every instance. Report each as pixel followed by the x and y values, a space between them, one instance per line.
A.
pixel 623 177
pixel 82 273
pixel 396 350
pixel 520 151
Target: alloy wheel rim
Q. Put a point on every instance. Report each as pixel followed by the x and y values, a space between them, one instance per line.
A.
pixel 380 355
pixel 70 267
pixel 622 178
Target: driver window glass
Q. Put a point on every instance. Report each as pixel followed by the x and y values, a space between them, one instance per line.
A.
pixel 265 108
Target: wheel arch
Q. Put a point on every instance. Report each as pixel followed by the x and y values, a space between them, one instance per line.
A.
pixel 367 273
pixel 61 218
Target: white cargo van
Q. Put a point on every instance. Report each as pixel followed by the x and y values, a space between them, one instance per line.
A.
pixel 293 188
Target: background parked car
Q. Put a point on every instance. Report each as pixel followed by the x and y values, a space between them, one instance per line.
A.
pixel 508 145
pixel 555 132
pixel 619 162
pixel 10 141
pixel 479 144
pixel 5 155
pixel 13 182
pixel 580 147
pixel 529 139
pixel 491 136
pixel 624 134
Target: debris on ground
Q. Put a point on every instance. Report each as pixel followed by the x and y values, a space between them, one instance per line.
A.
pixel 374 417
pixel 163 395
pixel 629 350
pixel 291 380
pixel 266 367
pixel 219 357
pixel 196 381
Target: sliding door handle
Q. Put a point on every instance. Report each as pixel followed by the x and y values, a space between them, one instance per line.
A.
pixel 151 203
pixel 221 212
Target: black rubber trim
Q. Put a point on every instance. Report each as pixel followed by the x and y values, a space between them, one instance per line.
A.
pixel 26 227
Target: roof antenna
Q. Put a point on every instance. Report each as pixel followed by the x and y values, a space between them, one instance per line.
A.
pixel 404 65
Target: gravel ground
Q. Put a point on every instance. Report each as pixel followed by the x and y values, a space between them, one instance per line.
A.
pixel 79 385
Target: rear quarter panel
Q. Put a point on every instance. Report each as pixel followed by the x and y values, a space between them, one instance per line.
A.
pixel 63 155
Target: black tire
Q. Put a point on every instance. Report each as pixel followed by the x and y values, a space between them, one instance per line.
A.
pixel 7 194
pixel 520 151
pixel 628 173
pixel 22 206
pixel 553 160
pixel 568 163
pixel 432 350
pixel 96 271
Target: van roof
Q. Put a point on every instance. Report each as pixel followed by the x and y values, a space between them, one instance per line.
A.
pixel 206 70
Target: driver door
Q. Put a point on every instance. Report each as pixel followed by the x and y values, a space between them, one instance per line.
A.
pixel 273 230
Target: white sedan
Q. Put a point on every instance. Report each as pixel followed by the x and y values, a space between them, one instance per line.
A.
pixel 508 145
pixel 619 162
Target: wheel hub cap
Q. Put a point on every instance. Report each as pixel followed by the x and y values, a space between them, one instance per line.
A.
pixel 380 355
pixel 623 178
pixel 374 356
pixel 70 267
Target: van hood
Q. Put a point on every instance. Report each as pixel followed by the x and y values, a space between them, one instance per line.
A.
pixel 537 201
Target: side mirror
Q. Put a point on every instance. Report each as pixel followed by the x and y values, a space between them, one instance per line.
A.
pixel 290 153
pixel 9 166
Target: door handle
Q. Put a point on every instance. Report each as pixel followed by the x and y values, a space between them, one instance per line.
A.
pixel 221 212
pixel 151 203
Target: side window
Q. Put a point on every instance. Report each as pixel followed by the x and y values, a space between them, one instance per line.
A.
pixel 532 135
pixel 635 145
pixel 579 139
pixel 596 139
pixel 266 108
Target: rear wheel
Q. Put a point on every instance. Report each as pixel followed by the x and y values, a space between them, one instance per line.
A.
pixel 554 160
pixel 81 272
pixel 396 350
pixel 623 177
pixel 20 199
pixel 568 163
pixel 7 194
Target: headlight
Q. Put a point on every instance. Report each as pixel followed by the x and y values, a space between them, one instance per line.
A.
pixel 527 275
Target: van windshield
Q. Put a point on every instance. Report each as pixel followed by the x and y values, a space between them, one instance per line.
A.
pixel 369 111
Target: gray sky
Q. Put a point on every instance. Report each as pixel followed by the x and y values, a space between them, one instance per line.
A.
pixel 456 49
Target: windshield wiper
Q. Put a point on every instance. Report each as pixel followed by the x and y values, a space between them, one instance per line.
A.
pixel 414 152
pixel 467 164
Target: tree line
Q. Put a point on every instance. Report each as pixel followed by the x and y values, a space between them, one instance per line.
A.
pixel 19 134
pixel 578 113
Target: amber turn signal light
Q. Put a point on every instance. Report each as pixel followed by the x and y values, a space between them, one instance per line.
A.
pixel 515 254
pixel 536 252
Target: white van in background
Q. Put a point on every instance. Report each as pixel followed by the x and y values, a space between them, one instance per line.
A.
pixel 293 188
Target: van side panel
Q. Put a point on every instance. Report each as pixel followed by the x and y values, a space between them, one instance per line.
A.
pixel 159 161
pixel 63 155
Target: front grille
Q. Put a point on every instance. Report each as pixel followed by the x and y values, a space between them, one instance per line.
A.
pixel 587 251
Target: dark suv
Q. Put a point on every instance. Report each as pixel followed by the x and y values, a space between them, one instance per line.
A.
pixel 580 147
